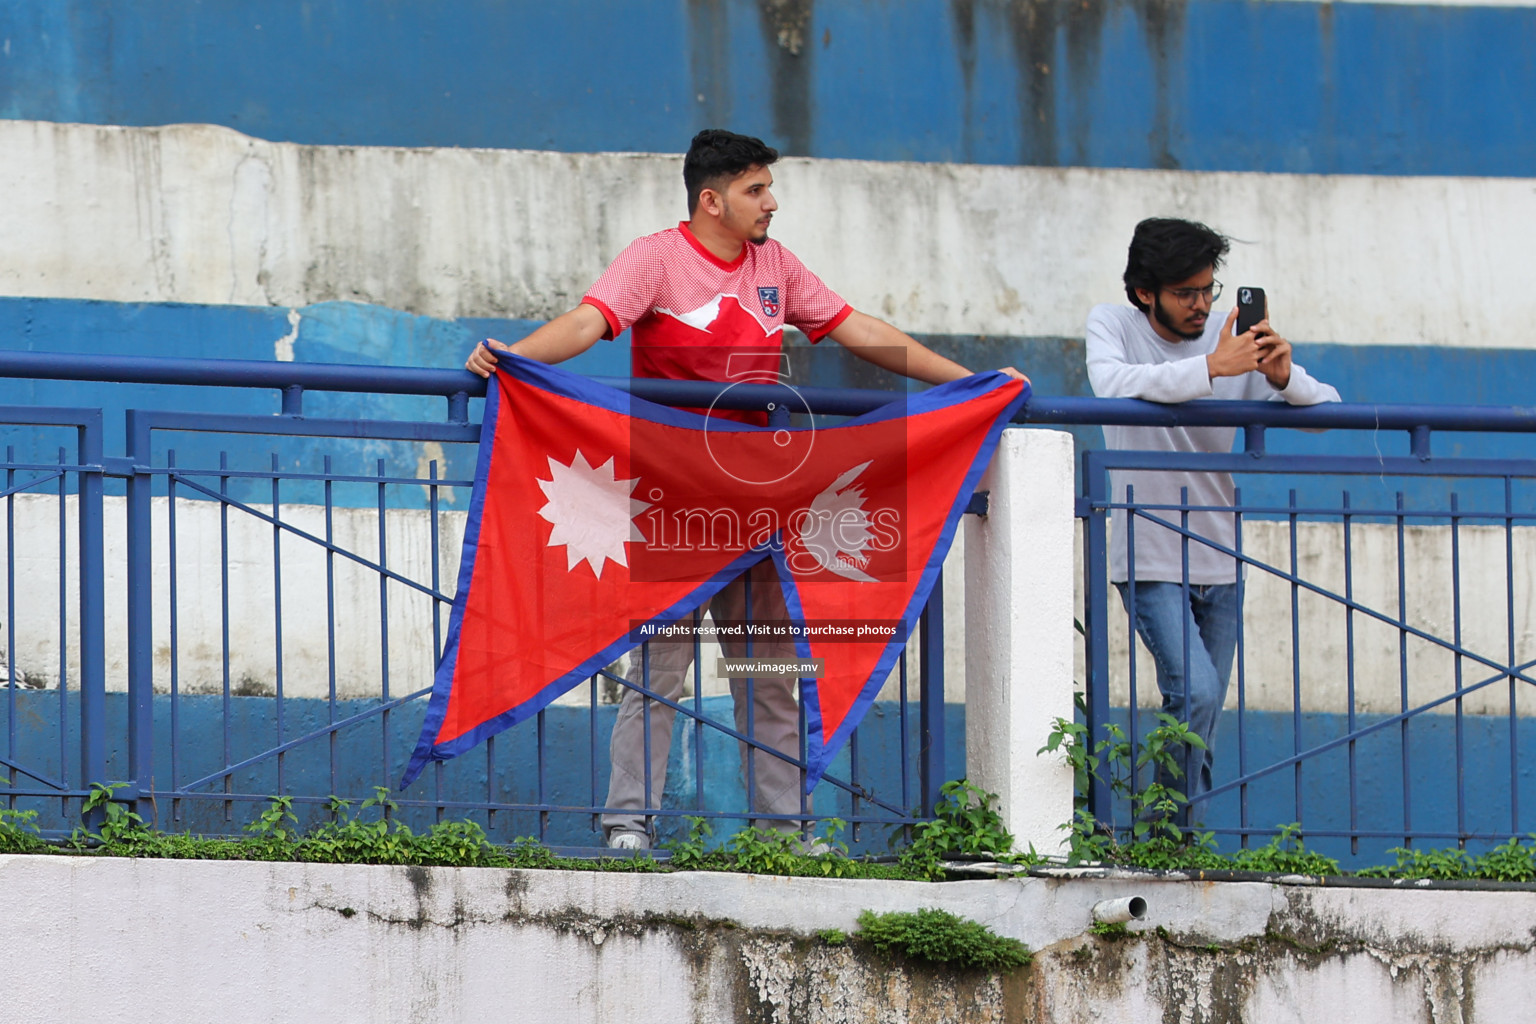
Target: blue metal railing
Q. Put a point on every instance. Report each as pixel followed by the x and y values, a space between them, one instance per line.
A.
pixel 180 776
pixel 1417 778
pixel 195 754
pixel 84 470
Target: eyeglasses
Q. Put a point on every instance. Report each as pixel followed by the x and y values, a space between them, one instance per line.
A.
pixel 1187 297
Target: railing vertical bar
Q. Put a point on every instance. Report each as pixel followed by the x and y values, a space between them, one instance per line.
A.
pixel 1132 676
pixel 905 728
pixel 1133 723
pixel 542 754
pixel 1349 673
pixel 1461 756
pixel 386 774
pixel 1185 616
pixel 543 799
pixel 437 790
pixel 93 678
pixel 490 781
pixel 434 513
pixel 1242 679
pixel 645 732
pixel 10 622
pixel 749 686
pixel 1296 738
pixel 1402 668
pixel 140 617
pixel 173 621
pixel 277 614
pixel 853 769
pixel 698 710
pixel 806 825
pixel 227 707
pixel 437 625
pixel 931 695
pixel 63 638
pixel 329 497
pixel 433 528
pixel 592 766
pixel 1509 624
pixel 1096 619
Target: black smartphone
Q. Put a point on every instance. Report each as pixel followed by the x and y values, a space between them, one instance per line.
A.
pixel 1251 307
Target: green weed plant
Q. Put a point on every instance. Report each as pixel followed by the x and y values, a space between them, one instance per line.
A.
pixel 1512 861
pixel 1152 838
pixel 18 832
pixel 940 937
pixel 966 824
pixel 770 852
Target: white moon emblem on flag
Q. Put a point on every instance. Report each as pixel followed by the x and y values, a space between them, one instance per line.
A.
pixel 591 511
pixel 835 529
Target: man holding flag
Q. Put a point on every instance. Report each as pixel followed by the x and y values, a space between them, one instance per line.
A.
pixel 708 300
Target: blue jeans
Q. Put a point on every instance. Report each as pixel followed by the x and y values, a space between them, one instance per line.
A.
pixel 1205 625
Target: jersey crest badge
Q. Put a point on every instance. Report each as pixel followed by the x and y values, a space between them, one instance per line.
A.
pixel 769 297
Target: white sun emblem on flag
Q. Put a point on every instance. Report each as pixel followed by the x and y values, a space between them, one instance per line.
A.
pixel 592 513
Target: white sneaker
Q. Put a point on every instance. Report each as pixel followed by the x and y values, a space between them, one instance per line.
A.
pixel 813 848
pixel 628 841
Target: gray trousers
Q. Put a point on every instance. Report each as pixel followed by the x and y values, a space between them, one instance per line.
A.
pixel 775 723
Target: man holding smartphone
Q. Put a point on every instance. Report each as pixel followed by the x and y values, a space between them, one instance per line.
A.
pixel 1169 346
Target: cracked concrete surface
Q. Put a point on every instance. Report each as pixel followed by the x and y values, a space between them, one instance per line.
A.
pixel 249 942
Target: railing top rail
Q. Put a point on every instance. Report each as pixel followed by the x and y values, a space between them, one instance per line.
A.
pixel 1042 409
pixel 240 373
pixel 1329 416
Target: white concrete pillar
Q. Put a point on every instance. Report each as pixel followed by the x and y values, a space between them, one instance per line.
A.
pixel 1018 601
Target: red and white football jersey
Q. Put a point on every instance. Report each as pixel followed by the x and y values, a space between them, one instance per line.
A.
pixel 692 312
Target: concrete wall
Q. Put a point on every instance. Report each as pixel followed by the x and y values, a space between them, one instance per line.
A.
pixel 204 215
pixel 410 944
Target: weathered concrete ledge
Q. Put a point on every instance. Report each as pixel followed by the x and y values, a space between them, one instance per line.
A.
pixel 125 940
pixel 203 214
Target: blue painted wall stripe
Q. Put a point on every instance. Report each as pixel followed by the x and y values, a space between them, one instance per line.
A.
pixel 1344 88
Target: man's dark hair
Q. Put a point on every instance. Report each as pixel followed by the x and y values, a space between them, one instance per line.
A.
pixel 1165 250
pixel 716 156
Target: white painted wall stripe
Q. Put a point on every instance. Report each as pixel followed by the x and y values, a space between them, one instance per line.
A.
pixel 201 214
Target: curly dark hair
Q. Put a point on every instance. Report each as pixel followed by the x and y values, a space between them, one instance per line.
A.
pixel 1165 249
pixel 715 156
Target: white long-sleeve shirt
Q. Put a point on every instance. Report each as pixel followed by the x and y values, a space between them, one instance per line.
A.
pixel 1128 359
